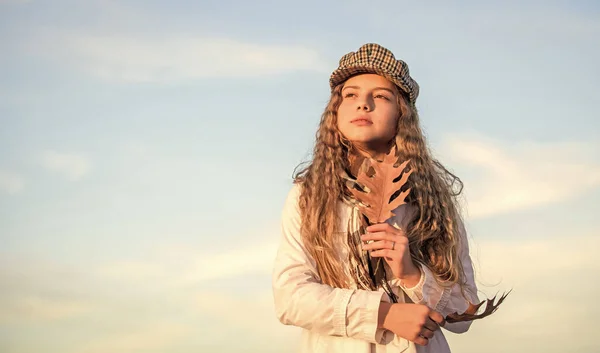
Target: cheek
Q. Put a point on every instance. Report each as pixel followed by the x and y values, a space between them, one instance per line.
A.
pixel 342 113
pixel 342 126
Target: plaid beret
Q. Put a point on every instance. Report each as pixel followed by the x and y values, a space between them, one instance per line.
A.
pixel 373 58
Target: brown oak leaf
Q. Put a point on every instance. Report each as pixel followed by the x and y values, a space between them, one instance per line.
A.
pixel 471 313
pixel 375 199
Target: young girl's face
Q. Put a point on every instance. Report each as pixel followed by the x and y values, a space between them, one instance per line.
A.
pixel 369 112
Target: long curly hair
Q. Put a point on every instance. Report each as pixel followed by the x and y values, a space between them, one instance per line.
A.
pixel 433 230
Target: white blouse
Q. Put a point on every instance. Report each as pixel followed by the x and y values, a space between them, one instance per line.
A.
pixel 345 320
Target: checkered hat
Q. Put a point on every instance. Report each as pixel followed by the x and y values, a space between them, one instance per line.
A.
pixel 373 58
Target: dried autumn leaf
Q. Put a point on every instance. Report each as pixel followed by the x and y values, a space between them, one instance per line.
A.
pixel 375 200
pixel 471 313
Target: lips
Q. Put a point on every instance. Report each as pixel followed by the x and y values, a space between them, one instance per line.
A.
pixel 362 120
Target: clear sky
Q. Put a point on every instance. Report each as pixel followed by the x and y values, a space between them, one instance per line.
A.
pixel 146 148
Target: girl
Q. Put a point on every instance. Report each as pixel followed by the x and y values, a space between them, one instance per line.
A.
pixel 326 277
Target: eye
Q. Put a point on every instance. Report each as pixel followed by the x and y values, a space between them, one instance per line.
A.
pixel 349 94
pixel 382 96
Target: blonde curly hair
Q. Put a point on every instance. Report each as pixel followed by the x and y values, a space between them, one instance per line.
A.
pixel 433 230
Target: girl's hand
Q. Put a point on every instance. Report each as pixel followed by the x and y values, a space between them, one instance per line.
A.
pixel 414 322
pixel 392 244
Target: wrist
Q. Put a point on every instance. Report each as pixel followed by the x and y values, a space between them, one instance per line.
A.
pixel 382 318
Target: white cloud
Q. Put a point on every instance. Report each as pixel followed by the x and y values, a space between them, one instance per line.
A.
pixel 174 58
pixel 10 182
pixel 72 166
pixel 534 257
pixel 237 262
pixel 535 263
pixel 34 308
pixel 138 306
pixel 156 337
pixel 503 176
pixel 133 270
pixel 177 267
pixel 228 306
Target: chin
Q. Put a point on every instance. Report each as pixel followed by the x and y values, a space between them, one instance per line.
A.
pixel 362 137
pixel 365 136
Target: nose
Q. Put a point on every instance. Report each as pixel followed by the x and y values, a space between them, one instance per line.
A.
pixel 363 105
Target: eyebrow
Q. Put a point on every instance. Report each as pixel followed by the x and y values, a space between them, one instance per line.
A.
pixel 375 89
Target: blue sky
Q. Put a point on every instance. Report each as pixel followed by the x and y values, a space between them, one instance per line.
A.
pixel 146 148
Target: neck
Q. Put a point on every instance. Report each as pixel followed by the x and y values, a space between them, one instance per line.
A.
pixel 375 151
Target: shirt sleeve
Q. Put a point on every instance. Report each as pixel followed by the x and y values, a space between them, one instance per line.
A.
pixel 446 300
pixel 302 300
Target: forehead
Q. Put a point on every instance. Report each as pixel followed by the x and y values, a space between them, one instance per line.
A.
pixel 369 80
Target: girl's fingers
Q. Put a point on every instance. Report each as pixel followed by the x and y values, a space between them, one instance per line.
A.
pixel 389 253
pixel 421 341
pixel 383 236
pixel 431 325
pixel 437 318
pixel 384 240
pixel 426 333
pixel 378 245
pixel 381 244
pixel 381 227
